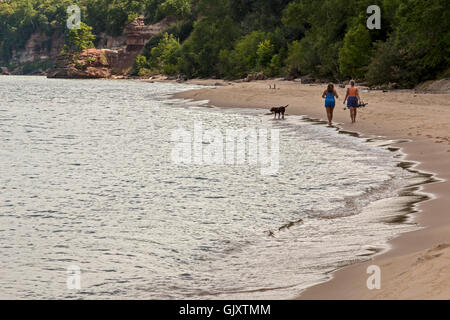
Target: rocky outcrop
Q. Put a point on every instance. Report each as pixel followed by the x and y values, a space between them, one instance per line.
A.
pixel 106 62
pixel 4 71
pixel 91 63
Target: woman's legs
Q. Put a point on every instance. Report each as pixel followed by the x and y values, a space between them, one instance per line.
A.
pixel 352 104
pixel 330 115
pixel 353 114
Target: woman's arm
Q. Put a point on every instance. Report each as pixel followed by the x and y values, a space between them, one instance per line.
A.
pixel 324 94
pixel 336 94
pixel 346 96
pixel 357 94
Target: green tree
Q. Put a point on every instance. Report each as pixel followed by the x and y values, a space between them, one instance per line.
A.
pixel 422 37
pixel 355 55
pixel 245 56
pixel 418 49
pixel 164 57
pixel 177 8
pixel 141 66
pixel 80 39
pixel 385 66
pixel 295 58
pixel 200 53
pixel 230 38
pixel 265 52
pixel 302 57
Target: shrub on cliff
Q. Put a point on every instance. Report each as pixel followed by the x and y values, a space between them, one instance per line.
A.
pixel 78 40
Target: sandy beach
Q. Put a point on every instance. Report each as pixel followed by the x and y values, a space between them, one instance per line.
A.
pixel 418 264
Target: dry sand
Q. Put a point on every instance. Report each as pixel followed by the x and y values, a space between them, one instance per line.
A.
pixel 418 265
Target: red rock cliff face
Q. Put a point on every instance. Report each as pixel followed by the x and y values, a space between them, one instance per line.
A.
pixel 91 63
pixel 103 63
pixel 137 34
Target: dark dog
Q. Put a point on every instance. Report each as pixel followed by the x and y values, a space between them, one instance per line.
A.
pixel 280 111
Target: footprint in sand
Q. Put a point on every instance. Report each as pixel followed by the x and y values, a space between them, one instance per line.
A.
pixel 432 253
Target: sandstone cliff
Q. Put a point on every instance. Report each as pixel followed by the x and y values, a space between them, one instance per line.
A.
pixel 39 51
pixel 40 46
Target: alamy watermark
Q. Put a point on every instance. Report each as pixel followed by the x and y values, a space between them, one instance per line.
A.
pixel 374 281
pixel 233 147
pixel 74 20
pixel 73 278
pixel 374 21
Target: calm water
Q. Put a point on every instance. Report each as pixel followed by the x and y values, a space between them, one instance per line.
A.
pixel 86 179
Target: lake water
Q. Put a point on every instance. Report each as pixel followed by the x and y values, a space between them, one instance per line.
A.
pixel 87 179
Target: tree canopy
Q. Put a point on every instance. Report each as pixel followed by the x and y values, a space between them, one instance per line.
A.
pixel 327 39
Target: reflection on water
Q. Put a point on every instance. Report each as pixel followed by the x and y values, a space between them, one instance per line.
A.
pixel 86 179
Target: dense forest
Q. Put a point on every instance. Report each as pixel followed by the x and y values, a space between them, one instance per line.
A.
pixel 327 39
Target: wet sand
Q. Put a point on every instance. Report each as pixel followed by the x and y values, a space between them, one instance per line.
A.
pixel 418 264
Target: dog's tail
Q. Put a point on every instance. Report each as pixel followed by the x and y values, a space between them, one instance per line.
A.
pixel 286 106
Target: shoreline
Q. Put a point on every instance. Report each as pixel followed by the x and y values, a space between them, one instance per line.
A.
pixel 417 263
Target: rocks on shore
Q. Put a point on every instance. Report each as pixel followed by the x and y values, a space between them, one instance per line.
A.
pixel 385 87
pixel 255 76
pixel 4 71
pixel 307 79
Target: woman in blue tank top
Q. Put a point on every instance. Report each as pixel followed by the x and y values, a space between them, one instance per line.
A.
pixel 330 102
